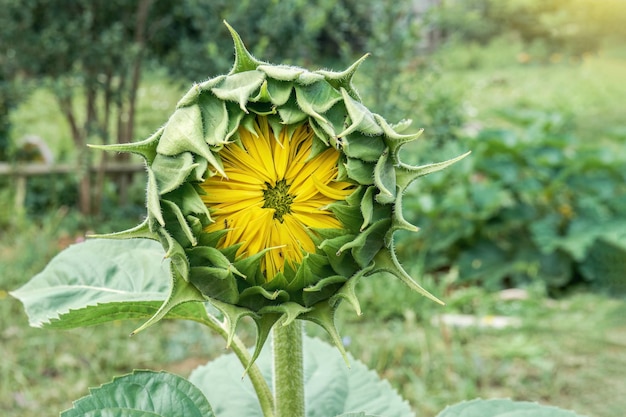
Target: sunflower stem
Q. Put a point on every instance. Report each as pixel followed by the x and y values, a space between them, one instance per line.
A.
pixel 258 382
pixel 288 370
pixel 262 389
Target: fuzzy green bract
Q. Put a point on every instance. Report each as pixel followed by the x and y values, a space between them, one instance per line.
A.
pixel 186 150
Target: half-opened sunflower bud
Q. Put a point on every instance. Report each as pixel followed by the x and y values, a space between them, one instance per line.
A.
pixel 274 190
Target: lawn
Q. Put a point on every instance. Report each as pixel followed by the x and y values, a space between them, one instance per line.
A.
pixel 586 92
pixel 567 352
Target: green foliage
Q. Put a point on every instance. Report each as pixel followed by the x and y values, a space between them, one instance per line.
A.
pixel 503 408
pixel 561 26
pixel 331 388
pixel 529 204
pixel 45 193
pixel 143 393
pixel 605 263
pixel 7 101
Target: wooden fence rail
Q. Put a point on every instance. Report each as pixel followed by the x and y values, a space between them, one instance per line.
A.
pixel 22 171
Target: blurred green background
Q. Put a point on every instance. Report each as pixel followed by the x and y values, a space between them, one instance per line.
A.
pixel 535 88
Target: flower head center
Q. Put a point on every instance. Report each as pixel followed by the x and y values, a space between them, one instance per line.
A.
pixel 278 198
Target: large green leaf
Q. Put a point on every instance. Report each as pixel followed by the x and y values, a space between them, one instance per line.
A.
pixel 503 408
pixel 143 394
pixel 101 280
pixel 331 388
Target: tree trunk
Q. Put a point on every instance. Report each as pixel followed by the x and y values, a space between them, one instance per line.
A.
pixel 126 127
pixel 64 98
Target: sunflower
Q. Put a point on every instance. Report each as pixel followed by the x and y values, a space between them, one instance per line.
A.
pixel 273 195
pixel 273 191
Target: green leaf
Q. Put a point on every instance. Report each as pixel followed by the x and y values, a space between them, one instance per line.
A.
pixel 331 388
pixel 126 310
pixel 100 280
pixel 503 408
pixel 143 394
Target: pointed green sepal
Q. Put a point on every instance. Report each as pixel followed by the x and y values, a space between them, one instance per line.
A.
pixel 232 315
pixel 361 118
pixel 394 139
pixel 360 171
pixel 323 314
pixel 308 78
pixel 153 203
pixel 386 261
pixel 288 311
pixel 282 72
pixel 271 295
pixel 244 61
pixel 343 79
pixel 180 293
pixel 264 323
pixel 366 148
pixel 184 133
pixel 406 174
pixel 323 289
pixel 174 210
pixel 142 231
pixel 402 125
pixel 316 98
pixel 385 179
pixel 191 97
pixel 367 207
pixel 171 171
pixel 147 148
pixel 239 87
pixel 398 222
pixel 175 252
pixel 214 119
pixel 290 113
pixel 348 292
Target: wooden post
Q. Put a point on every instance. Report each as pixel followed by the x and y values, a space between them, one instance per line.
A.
pixel 20 194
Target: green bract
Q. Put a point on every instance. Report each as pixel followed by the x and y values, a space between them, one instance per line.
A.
pixel 186 150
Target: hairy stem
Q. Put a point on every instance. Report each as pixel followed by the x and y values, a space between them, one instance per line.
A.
pixel 262 389
pixel 288 370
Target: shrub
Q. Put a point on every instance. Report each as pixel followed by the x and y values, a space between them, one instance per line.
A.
pixel 531 204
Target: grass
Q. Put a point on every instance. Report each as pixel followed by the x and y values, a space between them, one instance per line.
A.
pixel 567 353
pixel 588 91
